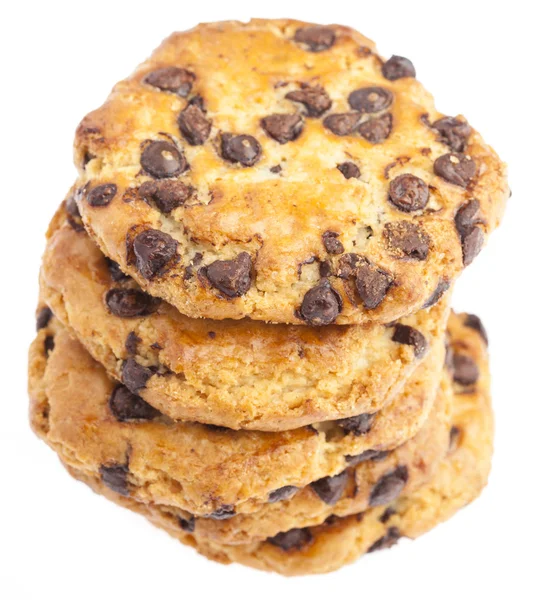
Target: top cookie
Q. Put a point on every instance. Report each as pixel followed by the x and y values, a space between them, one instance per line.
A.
pixel 285 172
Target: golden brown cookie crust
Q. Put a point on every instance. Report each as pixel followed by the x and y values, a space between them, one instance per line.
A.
pixel 291 221
pixel 414 462
pixel 239 374
pixel 194 467
pixel 459 480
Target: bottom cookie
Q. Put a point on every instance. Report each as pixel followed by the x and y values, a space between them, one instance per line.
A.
pixel 459 479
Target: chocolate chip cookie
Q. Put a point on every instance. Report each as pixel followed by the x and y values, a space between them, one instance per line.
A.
pixel 240 374
pixel 459 479
pixel 100 427
pixel 284 172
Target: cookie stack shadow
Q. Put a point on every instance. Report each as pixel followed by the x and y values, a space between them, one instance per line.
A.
pixel 277 385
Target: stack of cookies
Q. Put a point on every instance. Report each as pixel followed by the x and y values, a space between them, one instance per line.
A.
pixel 244 330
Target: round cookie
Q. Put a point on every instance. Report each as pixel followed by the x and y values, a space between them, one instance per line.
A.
pixel 239 374
pixel 459 479
pixel 98 427
pixel 252 170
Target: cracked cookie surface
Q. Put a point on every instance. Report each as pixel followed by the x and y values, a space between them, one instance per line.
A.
pixel 253 170
pixel 240 374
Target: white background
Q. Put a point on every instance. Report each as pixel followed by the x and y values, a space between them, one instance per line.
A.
pixel 489 60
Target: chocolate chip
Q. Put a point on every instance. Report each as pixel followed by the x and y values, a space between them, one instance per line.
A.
pixel 349 170
pixel 314 98
pixel 153 250
pixel 474 322
pixel 277 169
pixel 405 334
pixel 465 369
pixel 127 406
pixel 283 127
pixel 453 132
pixel 321 305
pixel 294 539
pixel 325 268
pixel 194 126
pixel 377 129
pixel 316 38
pixel 374 455
pixel 128 304
pixel 171 79
pixel 442 287
pixel 387 514
pixel 243 149
pixel 472 243
pixel 232 277
pixel 187 524
pixel 162 159
pixel 467 216
pixel 342 123
pixel 115 271
pixel 331 243
pixel 406 240
pixel 135 376
pixel 388 540
pixel 199 102
pixel 349 265
pixel 115 477
pixel 166 194
pixel 358 425
pixel 472 237
pixel 370 99
pixel 131 343
pixel 397 67
pixel 101 195
pixel 49 344
pixel 226 511
pixel 43 317
pixel 455 168
pixel 455 434
pixel 389 486
pixel 330 489
pixel 283 493
pixel 408 193
pixel 372 285
pixel 197 259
